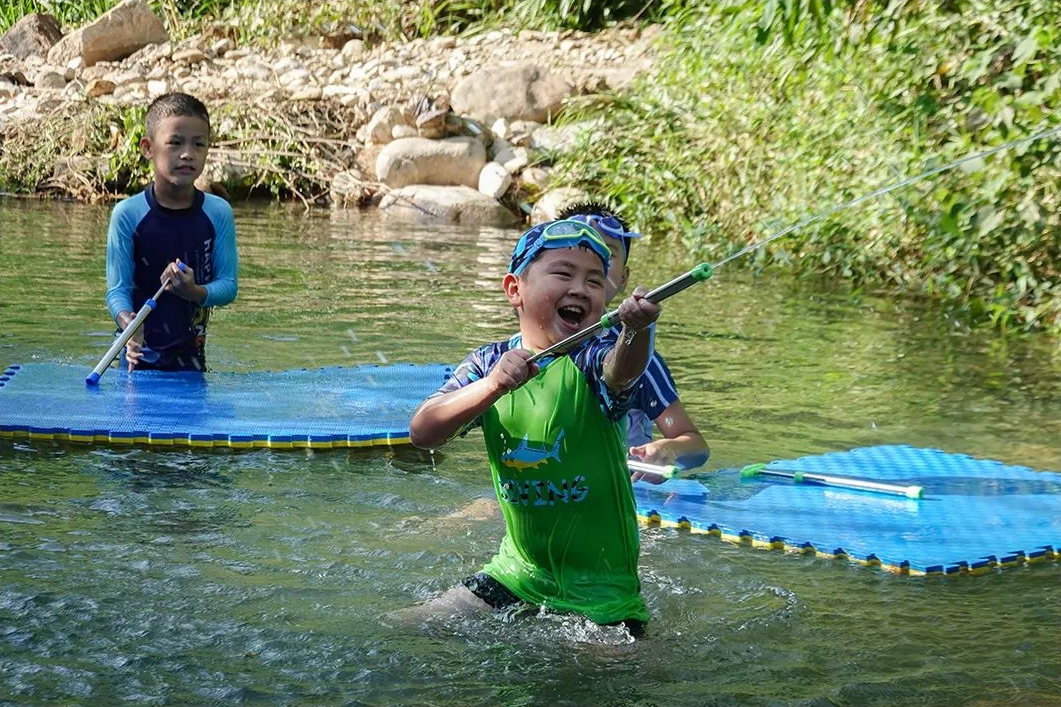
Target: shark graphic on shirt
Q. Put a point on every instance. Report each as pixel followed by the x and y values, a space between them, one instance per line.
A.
pixel 525 457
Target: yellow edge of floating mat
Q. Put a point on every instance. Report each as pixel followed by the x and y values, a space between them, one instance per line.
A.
pixel 387 440
pixel 1019 559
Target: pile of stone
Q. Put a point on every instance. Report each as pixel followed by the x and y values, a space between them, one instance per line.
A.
pixel 447 128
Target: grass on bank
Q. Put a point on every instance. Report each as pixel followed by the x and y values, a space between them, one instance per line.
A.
pixel 266 22
pixel 92 153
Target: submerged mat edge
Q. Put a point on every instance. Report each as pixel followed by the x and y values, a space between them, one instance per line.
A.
pixel 409 380
pixel 760 541
pixel 940 536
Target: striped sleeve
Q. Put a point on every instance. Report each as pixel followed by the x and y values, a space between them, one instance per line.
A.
pixel 590 360
pixel 655 392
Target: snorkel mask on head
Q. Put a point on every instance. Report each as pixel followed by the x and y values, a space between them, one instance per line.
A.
pixel 600 217
pixel 566 233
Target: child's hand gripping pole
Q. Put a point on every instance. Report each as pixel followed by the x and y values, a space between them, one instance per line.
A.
pixel 698 274
pixel 128 333
pixel 845 482
pixel 662 472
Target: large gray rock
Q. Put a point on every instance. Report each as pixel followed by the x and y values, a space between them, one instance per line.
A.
pixel 380 127
pixel 34 34
pixel 553 202
pixel 455 161
pixel 427 203
pixel 494 180
pixel 523 92
pixel 121 31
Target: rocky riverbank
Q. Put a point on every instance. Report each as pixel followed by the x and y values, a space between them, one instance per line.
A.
pixel 450 128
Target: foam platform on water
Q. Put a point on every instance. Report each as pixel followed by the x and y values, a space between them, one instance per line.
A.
pixel 319 408
pixel 977 515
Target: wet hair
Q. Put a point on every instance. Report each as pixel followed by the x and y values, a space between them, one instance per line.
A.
pixel 170 105
pixel 598 208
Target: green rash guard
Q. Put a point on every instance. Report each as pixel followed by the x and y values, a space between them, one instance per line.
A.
pixel 559 470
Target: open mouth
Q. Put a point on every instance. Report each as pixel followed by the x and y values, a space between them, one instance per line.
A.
pixel 572 315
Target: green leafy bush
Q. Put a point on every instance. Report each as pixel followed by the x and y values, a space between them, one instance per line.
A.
pixel 745 129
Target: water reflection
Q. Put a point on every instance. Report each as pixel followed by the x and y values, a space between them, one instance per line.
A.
pixel 259 577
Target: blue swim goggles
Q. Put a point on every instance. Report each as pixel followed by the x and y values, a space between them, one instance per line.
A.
pixel 610 226
pixel 557 234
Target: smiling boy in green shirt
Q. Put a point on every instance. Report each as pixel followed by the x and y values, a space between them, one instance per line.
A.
pixel 555 435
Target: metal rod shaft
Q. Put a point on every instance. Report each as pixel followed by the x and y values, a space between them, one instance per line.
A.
pixel 698 274
pixel 847 482
pixel 123 338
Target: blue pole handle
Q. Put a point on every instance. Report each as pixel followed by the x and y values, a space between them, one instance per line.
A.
pixel 128 332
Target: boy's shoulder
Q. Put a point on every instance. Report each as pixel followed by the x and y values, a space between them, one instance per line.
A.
pixel 219 212
pixel 488 354
pixel 133 207
pixel 136 201
pixel 213 201
pixel 475 365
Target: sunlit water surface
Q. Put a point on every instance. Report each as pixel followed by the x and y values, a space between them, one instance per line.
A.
pixel 150 577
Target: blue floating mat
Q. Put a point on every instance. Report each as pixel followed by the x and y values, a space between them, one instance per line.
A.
pixel 319 408
pixel 975 515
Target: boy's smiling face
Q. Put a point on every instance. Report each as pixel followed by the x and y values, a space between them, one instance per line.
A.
pixel 561 293
pixel 178 152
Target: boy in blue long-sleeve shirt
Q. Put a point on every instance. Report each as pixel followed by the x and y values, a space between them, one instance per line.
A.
pixel 172 232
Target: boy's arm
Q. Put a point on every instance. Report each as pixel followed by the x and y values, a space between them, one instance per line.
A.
pixel 627 360
pixel 223 288
pixel 440 417
pixel 682 443
pixel 120 269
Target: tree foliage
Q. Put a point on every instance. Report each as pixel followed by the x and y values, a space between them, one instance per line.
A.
pixel 764 113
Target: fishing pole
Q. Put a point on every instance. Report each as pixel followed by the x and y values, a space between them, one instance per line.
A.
pixel 128 332
pixel 845 482
pixel 705 270
pixel 698 274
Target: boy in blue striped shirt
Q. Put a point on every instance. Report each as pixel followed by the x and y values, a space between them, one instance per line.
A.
pixel 656 399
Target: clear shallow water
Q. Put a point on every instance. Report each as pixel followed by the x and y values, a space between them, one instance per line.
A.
pixel 141 576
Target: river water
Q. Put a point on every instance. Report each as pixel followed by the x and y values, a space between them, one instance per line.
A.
pixel 148 576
